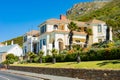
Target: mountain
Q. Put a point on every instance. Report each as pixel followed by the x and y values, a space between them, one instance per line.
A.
pixel 18 40
pixel 110 13
pixel 83 8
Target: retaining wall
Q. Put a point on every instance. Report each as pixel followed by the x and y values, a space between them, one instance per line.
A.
pixel 87 74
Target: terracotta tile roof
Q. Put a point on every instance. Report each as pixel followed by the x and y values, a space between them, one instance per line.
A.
pixel 67 21
pixel 95 21
pixel 33 33
pixel 56 21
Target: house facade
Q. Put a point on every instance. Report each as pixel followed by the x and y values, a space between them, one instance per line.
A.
pixel 30 42
pixel 54 33
pixel 10 49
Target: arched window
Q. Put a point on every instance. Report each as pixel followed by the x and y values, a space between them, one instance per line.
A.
pixel 55 27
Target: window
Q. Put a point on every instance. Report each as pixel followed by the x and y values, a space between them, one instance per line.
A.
pixel 25 49
pixel 43 29
pixel 99 28
pixel 25 38
pixel 40 44
pixel 55 27
pixel 44 41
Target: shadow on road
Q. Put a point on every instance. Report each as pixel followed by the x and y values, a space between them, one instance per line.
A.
pixel 109 62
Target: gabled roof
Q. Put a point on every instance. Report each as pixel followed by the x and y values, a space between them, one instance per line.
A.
pixel 54 21
pixel 67 21
pixel 95 21
pixel 33 33
pixel 7 48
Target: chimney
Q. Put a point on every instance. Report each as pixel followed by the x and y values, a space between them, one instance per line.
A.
pixel 63 17
pixel 6 44
pixel 12 42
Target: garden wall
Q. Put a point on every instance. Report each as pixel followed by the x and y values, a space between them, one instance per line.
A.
pixel 87 74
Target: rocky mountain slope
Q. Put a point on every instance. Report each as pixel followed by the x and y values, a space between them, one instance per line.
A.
pixel 84 8
pixel 110 13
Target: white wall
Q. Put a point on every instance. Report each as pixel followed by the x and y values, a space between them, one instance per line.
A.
pixel 101 35
pixel 44 47
pixel 17 51
pixel 49 28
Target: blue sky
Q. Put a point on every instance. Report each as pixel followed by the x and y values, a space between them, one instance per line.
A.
pixel 20 16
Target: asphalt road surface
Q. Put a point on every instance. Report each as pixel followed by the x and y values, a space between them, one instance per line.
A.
pixel 10 76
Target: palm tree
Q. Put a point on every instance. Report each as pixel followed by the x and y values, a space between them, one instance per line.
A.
pixel 54 53
pixel 78 50
pixel 71 26
pixel 31 55
pixel 89 32
pixel 40 54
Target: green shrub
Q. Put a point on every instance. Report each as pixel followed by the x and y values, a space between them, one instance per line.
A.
pixel 10 59
pixel 60 57
pixel 71 57
pixel 48 58
pixel 91 55
pixel 36 59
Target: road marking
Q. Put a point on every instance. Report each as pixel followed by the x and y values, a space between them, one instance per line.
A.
pixel 4 78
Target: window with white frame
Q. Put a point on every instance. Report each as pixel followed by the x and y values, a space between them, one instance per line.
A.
pixel 99 28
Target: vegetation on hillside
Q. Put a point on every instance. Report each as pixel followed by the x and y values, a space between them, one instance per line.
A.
pixel 110 13
pixel 18 40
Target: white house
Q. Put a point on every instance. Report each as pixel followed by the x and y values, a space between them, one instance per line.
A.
pixel 10 49
pixel 54 33
pixel 30 42
pixel 100 31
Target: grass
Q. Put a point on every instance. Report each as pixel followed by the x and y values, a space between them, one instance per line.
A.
pixel 106 64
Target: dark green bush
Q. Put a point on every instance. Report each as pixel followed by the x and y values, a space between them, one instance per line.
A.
pixel 71 57
pixel 60 57
pixel 91 55
pixel 48 58
pixel 10 59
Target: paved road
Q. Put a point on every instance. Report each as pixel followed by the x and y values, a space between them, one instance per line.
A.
pixel 20 75
pixel 10 76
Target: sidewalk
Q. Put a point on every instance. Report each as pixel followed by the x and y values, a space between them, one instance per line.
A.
pixel 41 76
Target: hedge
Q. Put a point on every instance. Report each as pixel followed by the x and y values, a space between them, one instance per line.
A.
pixel 91 55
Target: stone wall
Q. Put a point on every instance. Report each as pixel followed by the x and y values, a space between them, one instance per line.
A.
pixel 87 74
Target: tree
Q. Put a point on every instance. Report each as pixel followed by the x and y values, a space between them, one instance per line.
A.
pixel 40 54
pixel 71 26
pixel 10 59
pixel 78 49
pixel 54 53
pixel 115 24
pixel 31 55
pixel 89 32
